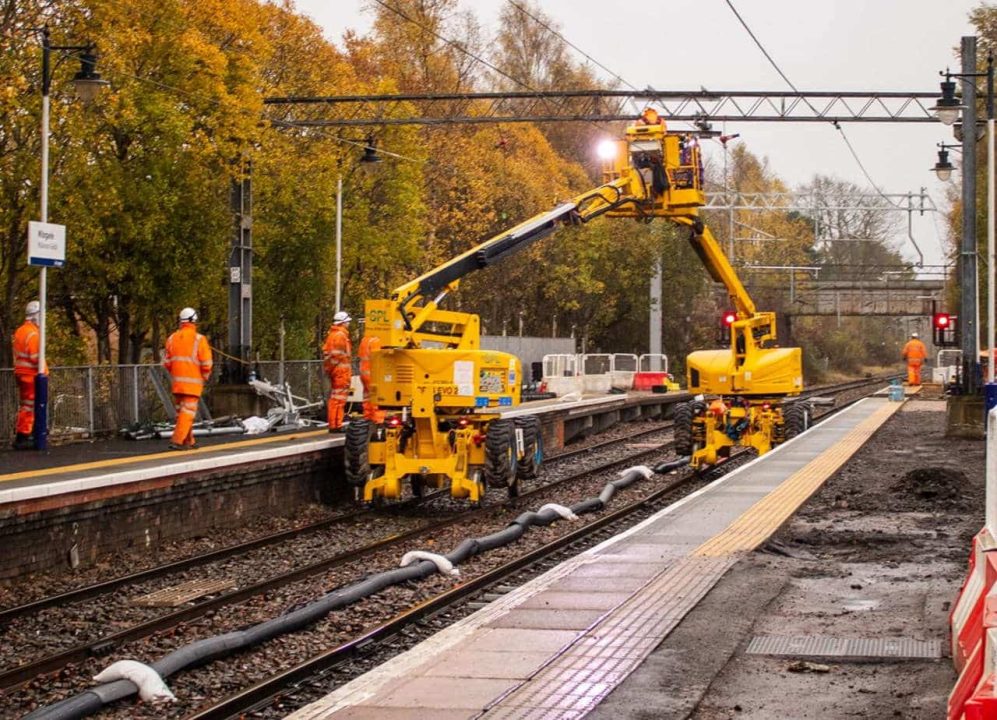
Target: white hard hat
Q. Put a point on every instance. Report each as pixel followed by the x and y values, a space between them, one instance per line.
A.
pixel 914 335
pixel 188 314
pixel 341 318
pixel 32 308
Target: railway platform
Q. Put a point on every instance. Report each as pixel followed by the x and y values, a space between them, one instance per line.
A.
pixel 559 645
pixel 76 502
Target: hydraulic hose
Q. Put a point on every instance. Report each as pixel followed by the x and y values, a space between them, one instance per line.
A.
pixel 219 646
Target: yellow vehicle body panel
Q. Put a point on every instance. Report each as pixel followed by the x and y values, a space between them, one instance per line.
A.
pixel 768 372
pixel 431 382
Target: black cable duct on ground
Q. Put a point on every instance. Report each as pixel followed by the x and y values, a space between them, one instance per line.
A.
pixel 219 646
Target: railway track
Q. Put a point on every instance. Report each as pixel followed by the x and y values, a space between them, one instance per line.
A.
pixel 59 661
pixel 105 644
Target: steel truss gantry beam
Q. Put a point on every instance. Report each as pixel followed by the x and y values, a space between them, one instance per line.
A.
pixel 814 201
pixel 607 106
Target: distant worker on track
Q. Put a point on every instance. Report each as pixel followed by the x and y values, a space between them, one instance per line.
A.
pixel 188 360
pixel 914 353
pixel 368 345
pixel 337 354
pixel 26 346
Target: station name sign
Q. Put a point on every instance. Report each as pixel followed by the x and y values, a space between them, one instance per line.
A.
pixel 46 244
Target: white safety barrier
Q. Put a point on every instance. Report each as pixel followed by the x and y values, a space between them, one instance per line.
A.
pixel 597 372
pixel 947 365
pixel 622 369
pixel 560 374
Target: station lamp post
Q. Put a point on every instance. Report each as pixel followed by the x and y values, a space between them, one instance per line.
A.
pixel 88 84
pixel 948 108
pixel 368 163
pixel 943 168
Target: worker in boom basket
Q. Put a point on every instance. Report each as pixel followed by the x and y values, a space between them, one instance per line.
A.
pixel 188 360
pixel 368 345
pixel 26 347
pixel 337 354
pixel 914 353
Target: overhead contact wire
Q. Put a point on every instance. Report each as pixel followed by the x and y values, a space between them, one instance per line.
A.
pixel 789 82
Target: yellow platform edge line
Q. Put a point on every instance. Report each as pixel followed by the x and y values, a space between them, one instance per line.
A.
pixel 763 518
pixel 115 462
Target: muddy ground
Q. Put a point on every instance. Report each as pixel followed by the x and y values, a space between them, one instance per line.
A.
pixel 879 552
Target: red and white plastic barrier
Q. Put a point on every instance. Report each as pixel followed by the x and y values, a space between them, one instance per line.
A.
pixel 973 621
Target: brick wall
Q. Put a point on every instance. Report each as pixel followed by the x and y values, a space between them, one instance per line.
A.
pixel 42 535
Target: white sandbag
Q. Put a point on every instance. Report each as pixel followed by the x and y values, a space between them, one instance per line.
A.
pixel 642 469
pixel 151 687
pixel 570 397
pixel 444 566
pixel 255 425
pixel 564 512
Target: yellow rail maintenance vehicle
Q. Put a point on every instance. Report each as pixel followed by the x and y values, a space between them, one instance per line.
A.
pixel 443 395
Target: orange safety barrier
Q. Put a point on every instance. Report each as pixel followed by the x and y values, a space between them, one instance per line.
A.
pixel 973 624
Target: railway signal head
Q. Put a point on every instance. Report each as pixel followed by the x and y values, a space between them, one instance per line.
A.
pixel 945 329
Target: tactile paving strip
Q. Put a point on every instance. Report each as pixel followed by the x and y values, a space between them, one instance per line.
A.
pixel 577 680
pixel 757 524
pixel 818 646
pixel 572 684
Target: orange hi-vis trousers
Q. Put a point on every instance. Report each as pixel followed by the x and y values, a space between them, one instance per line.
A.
pixel 26 405
pixel 914 372
pixel 183 432
pixel 340 382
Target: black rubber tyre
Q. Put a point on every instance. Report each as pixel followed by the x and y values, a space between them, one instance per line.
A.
pixel 500 454
pixel 356 451
pixel 683 429
pixel 529 464
pixel 795 420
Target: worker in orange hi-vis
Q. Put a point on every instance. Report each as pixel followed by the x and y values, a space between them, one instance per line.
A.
pixel 26 342
pixel 188 360
pixel 369 345
pixel 337 354
pixel 914 353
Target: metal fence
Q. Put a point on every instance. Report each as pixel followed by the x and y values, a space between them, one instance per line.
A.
pixel 85 401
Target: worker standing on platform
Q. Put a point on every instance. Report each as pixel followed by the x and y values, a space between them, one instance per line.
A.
pixel 369 345
pixel 26 342
pixel 914 353
pixel 188 360
pixel 337 356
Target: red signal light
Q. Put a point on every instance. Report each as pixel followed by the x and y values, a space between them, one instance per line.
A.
pixel 942 321
pixel 729 317
pixel 394 421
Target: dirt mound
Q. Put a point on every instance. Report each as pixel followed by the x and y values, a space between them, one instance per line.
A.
pixel 933 486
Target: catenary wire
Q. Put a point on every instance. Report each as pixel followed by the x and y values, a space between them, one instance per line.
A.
pixel 837 126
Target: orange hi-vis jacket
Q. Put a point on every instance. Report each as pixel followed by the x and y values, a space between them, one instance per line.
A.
pixel 26 345
pixel 914 351
pixel 337 351
pixel 369 345
pixel 188 360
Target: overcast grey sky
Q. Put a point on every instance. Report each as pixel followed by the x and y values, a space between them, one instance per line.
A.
pixel 826 45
